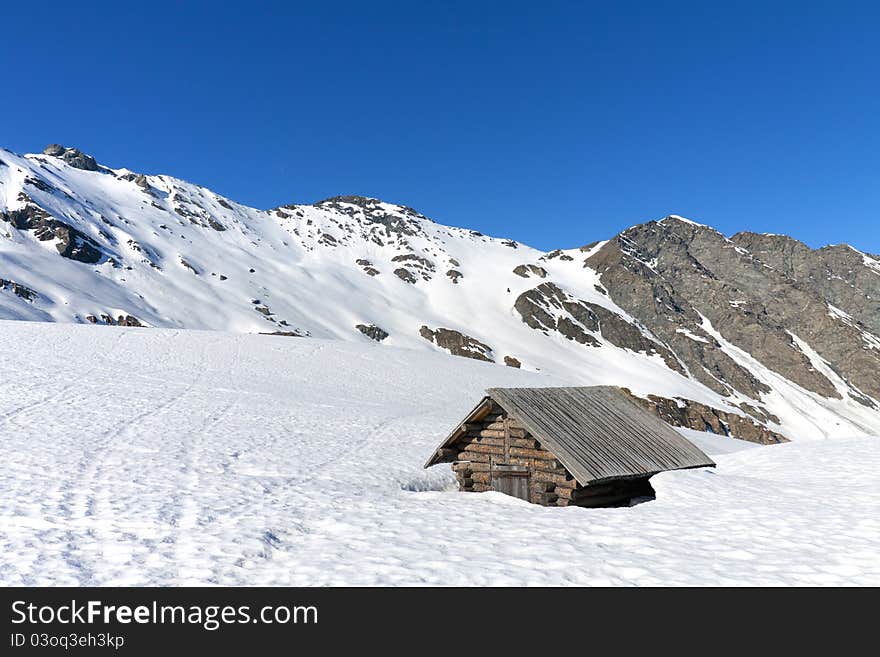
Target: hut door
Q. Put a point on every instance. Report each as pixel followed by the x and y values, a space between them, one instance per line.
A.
pixel 511 480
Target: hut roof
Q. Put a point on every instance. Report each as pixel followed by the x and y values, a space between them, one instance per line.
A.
pixel 598 433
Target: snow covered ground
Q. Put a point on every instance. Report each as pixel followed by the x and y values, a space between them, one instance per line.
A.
pixel 146 456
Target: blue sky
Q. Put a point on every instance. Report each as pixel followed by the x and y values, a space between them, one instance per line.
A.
pixel 554 123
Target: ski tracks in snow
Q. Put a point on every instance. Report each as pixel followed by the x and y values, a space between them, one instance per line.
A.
pixel 138 456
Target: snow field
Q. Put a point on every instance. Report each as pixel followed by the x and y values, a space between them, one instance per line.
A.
pixel 145 456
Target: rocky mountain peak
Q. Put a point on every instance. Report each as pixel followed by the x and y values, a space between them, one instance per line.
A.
pixel 364 202
pixel 55 150
pixel 806 314
pixel 74 157
pixel 370 218
pixel 678 218
pixel 398 218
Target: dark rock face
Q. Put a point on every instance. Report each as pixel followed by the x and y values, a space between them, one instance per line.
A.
pixel 189 266
pixel 138 179
pixel 405 275
pixel 454 275
pixel 670 274
pixel 18 290
pixel 128 320
pixel 694 415
pixel 121 320
pixel 530 270
pixel 544 309
pixel 71 243
pixel 458 344
pixel 39 183
pixel 367 266
pixel 416 266
pixel 839 273
pixel 548 308
pixel 510 361
pixel 374 212
pixel 372 331
pixel 558 253
pixel 72 156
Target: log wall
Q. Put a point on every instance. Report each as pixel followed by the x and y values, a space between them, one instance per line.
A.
pixel 483 445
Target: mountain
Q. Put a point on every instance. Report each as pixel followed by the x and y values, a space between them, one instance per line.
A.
pixel 754 336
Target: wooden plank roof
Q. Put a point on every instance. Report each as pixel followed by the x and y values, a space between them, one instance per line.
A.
pixel 598 433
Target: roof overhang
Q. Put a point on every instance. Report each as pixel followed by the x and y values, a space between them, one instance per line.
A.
pixel 479 411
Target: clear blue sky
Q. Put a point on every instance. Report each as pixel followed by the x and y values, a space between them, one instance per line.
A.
pixel 553 123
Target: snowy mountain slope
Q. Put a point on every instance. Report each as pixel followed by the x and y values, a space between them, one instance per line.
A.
pixel 172 457
pixel 83 243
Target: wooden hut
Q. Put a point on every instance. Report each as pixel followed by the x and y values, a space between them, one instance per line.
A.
pixel 564 447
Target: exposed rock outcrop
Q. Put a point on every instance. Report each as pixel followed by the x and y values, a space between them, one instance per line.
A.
pixel 405 275
pixel 457 343
pixel 839 273
pixel 530 270
pixel 372 331
pixel 375 211
pixel 120 320
pixel 39 183
pixel 548 308
pixel 700 417
pixel 138 179
pixel 558 253
pixel 416 265
pixel 672 274
pixel 71 244
pixel 368 267
pixel 72 156
pixel 18 290
pixel 128 320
